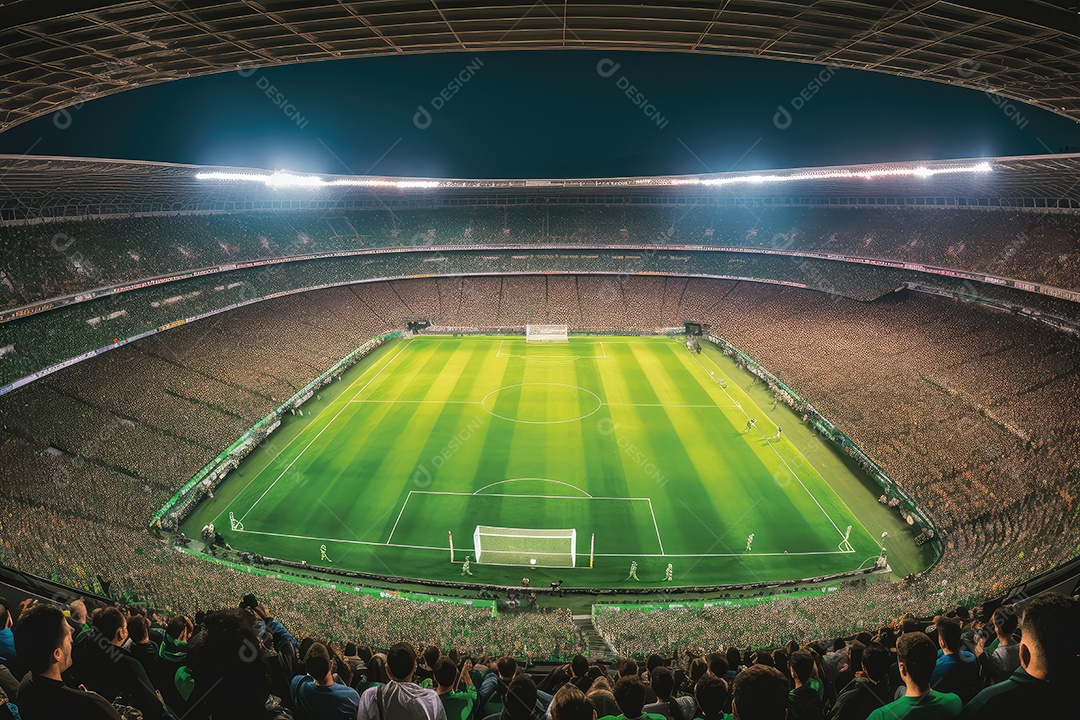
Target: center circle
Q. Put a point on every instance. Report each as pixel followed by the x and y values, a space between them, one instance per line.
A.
pixel 541 403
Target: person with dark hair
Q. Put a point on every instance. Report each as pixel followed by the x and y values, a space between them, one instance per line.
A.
pixel 228 666
pixel 870 688
pixel 804 703
pixel 916 657
pixel 570 703
pixel 169 668
pixel 100 663
pixel 673 708
pixel 455 689
pixel 520 700
pixel 43 643
pixel 849 666
pixel 956 670
pixel 760 693
pixel 1001 660
pixel 315 695
pixel 7 640
pixel 712 696
pixel 493 687
pixel 1049 639
pixel 629 695
pixel 142 647
pixel 401 698
pixel 718 664
pixel 425 670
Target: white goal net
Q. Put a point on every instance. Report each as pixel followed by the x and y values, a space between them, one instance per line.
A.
pixel 525 546
pixel 547 333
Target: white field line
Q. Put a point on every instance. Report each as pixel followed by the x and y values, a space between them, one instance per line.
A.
pixel 602 404
pixel 656 527
pixel 771 447
pixel 446 549
pixel 331 422
pixel 514 495
pixel 394 529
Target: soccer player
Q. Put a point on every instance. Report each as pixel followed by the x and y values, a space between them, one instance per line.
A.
pixel 667 573
pixel 633 571
pixel 777 435
pixel 322 555
pixel 749 541
pixel 465 567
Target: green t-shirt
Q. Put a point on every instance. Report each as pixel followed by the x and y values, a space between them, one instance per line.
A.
pixel 644 716
pixel 459 705
pixel 931 706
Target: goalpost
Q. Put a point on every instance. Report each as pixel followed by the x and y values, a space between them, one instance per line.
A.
pixel 547 333
pixel 530 547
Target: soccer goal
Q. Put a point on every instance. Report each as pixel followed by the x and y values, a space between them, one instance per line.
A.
pixel 547 333
pixel 525 546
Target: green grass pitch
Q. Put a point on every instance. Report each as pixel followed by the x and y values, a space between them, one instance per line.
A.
pixel 635 441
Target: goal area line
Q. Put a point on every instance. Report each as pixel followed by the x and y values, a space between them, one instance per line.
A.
pixel 541 356
pixel 446 548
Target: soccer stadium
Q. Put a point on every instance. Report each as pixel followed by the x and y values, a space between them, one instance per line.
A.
pixel 798 442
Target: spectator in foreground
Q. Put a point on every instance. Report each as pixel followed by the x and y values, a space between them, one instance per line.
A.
pixel 870 688
pixel 316 696
pixel 494 685
pixel 663 684
pixel 916 658
pixel 43 643
pixel 760 693
pixel 804 703
pixel 456 690
pixel 1002 661
pixel 630 697
pixel 520 701
pixel 570 703
pixel 956 671
pixel 7 640
pixel 401 698
pixel 1050 636
pixel 712 697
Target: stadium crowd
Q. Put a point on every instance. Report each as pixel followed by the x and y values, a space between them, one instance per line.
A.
pixel 967 409
pixel 55 259
pixel 103 662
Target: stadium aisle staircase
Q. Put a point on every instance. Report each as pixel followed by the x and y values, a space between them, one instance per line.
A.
pixel 598 647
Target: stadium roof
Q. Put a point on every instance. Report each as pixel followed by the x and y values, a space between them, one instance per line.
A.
pixel 62 52
pixel 48 187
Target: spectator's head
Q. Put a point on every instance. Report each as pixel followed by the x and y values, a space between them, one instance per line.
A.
pixel 630 695
pixel 401 662
pixel 139 629
pixel 446 673
pixel 711 693
pixel 1050 637
pixel 653 661
pixel 759 693
pixel 5 613
pixel 570 703
pixel 579 666
pixel 855 654
pixel 350 649
pixel 317 664
pixel 762 657
pixel 916 656
pixel 519 702
pixel 77 611
pixel 1005 622
pixel 698 667
pixel 802 667
pixel 110 626
pixel 431 656
pixel 377 669
pixel 663 682
pixel 627 667
pixel 226 657
pixel 506 667
pixel 365 653
pixel 876 661
pixel 718 664
pixel 180 628
pixel 780 661
pixel 43 641
pixel 948 634
pixel 734 658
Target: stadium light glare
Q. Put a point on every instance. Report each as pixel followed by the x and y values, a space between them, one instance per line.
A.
pixel 282 179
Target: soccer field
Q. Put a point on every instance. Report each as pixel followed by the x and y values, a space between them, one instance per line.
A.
pixel 633 442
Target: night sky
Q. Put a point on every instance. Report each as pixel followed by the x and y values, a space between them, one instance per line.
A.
pixel 544 114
